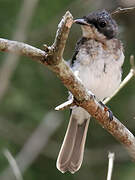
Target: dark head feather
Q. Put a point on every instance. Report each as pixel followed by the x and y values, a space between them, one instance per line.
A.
pixel 104 23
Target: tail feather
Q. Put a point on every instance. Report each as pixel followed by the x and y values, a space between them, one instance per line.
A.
pixel 68 144
pixel 78 150
pixel 71 153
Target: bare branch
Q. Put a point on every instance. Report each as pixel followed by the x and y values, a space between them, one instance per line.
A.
pixel 62 35
pixel 110 165
pixel 83 97
pixel 56 50
pixel 13 164
pixel 122 10
pixel 22 49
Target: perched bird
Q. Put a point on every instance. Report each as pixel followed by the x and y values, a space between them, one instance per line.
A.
pixel 97 62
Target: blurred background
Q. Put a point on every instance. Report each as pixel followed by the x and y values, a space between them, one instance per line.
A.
pixel 30 130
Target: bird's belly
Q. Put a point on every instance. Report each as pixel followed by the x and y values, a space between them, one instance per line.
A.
pixel 101 78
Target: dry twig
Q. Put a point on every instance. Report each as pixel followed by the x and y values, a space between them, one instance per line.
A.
pixel 110 165
pixel 120 10
pixel 13 165
pixel 65 105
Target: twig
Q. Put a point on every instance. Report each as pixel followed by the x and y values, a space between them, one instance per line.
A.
pixel 130 75
pixel 65 105
pixel 110 165
pixel 122 10
pixel 55 52
pixel 62 35
pixel 82 96
pixel 13 164
pixel 44 31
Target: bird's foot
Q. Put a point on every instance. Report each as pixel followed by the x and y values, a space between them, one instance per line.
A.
pixel 107 109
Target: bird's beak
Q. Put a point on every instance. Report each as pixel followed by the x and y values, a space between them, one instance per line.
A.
pixel 81 22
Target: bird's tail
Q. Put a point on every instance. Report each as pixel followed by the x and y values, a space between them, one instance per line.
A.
pixel 71 153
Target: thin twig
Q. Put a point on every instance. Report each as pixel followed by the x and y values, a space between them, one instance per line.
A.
pixel 37 34
pixel 130 75
pixel 122 10
pixel 13 164
pixel 55 52
pixel 62 35
pixel 65 105
pixel 110 165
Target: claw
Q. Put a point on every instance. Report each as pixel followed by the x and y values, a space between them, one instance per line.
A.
pixel 107 109
pixel 110 114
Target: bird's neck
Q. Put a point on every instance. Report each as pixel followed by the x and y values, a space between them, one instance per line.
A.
pixel 111 45
pixel 92 33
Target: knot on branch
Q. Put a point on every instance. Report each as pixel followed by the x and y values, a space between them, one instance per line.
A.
pixel 48 59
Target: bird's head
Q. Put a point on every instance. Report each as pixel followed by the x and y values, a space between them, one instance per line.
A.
pixel 98 25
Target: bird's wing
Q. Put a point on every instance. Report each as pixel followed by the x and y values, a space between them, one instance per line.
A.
pixel 80 42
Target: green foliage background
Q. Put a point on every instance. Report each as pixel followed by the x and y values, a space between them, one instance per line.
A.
pixel 34 91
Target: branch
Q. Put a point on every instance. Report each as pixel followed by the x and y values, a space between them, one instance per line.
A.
pixel 13 164
pixel 62 35
pixel 120 10
pixel 65 105
pixel 21 49
pixel 82 96
pixel 110 165
pixel 57 49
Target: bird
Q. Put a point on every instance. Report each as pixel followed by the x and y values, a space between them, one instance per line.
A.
pixel 97 61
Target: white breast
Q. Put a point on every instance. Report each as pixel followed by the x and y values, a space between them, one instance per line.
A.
pixel 99 70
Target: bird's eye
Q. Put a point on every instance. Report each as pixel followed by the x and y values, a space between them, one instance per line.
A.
pixel 102 24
